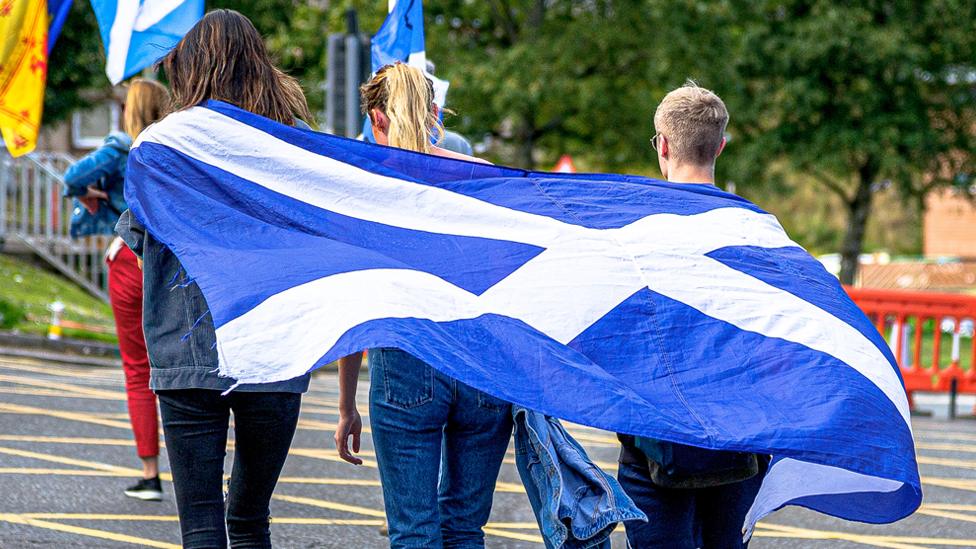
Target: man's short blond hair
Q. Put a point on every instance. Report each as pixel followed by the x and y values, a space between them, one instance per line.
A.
pixel 693 120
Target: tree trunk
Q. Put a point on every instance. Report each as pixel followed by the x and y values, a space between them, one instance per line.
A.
pixel 858 211
pixel 526 143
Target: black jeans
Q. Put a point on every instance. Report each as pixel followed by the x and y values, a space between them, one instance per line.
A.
pixel 195 423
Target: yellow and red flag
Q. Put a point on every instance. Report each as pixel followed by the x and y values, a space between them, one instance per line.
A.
pixel 23 70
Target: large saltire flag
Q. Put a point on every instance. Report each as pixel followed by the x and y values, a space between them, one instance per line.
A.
pixel 401 40
pixel 673 311
pixel 137 33
pixel 24 43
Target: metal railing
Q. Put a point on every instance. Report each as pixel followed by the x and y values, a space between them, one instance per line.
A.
pixel 34 212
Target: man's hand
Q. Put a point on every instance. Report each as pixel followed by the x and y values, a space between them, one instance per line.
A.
pixel 350 423
pixel 90 199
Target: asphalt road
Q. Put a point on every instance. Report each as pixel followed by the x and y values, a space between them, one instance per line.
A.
pixel 66 453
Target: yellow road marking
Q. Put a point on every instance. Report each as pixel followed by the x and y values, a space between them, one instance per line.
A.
pixel 327 455
pixel 69 387
pixel 512 535
pixel 332 505
pixel 90 532
pixel 946 514
pixel 47 393
pixel 71 472
pixel 819 534
pixel 47 368
pixel 957 483
pixel 949 506
pixel 73 416
pixel 69 440
pixel 943 446
pixel 946 462
pixel 64 460
pixel 804 533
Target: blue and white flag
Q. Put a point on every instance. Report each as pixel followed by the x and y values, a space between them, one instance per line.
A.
pixel 672 311
pixel 401 39
pixel 137 33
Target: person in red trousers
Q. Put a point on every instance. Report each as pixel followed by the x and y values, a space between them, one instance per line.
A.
pixel 97 182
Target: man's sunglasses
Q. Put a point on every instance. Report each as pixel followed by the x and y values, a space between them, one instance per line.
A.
pixel 655 141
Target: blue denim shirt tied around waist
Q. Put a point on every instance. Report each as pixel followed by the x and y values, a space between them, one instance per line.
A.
pixel 103 168
pixel 179 331
pixel 576 504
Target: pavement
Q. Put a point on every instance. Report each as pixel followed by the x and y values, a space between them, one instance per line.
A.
pixel 66 453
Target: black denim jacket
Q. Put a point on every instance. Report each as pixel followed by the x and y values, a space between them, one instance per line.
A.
pixel 176 319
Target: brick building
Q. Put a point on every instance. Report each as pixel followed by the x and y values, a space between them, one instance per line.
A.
pixel 949 226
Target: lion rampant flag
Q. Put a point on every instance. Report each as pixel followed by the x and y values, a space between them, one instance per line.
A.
pixel 23 69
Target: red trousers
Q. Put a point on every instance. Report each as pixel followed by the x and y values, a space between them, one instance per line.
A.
pixel 125 294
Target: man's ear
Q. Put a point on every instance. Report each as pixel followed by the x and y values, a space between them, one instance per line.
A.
pixel 721 147
pixel 663 146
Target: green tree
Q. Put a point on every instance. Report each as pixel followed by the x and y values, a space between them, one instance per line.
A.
pixel 76 66
pixel 857 96
pixel 543 78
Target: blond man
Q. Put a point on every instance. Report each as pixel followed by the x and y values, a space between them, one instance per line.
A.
pixel 692 497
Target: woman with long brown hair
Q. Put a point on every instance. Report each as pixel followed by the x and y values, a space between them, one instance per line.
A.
pixel 222 58
pixel 97 181
pixel 439 443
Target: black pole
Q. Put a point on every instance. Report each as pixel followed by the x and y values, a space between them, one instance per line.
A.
pixel 352 22
pixel 953 391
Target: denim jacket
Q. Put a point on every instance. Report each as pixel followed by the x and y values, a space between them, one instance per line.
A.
pixel 177 324
pixel 103 168
pixel 576 504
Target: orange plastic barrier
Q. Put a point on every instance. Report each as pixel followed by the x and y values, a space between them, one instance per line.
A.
pixel 903 317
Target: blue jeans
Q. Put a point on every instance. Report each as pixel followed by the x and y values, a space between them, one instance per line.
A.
pixel 195 422
pixel 710 518
pixel 439 445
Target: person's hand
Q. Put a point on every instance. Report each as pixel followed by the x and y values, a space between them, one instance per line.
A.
pixel 90 199
pixel 350 424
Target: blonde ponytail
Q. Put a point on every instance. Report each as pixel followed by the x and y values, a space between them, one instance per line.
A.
pixel 406 96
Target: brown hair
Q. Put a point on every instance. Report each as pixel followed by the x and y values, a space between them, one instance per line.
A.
pixel 693 120
pixel 223 57
pixel 406 97
pixel 145 102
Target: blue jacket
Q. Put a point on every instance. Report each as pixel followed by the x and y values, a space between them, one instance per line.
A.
pixel 105 169
pixel 565 487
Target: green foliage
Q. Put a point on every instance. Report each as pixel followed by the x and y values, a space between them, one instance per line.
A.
pixel 76 66
pixel 849 98
pixel 11 314
pixel 30 290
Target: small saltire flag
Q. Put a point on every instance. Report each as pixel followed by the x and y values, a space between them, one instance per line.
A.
pixel 23 69
pixel 673 311
pixel 137 33
pixel 401 39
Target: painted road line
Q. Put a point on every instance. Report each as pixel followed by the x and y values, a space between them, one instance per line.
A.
pixel 65 460
pixel 72 416
pixel 949 506
pixel 335 506
pixel 498 532
pixel 48 393
pixel 69 387
pixel 966 448
pixel 70 472
pixel 90 532
pixel 331 505
pixel 946 462
pixel 818 534
pixel 946 514
pixel 69 440
pixel 777 530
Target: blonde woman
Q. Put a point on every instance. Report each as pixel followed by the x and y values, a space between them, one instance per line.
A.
pixel 97 182
pixel 439 443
